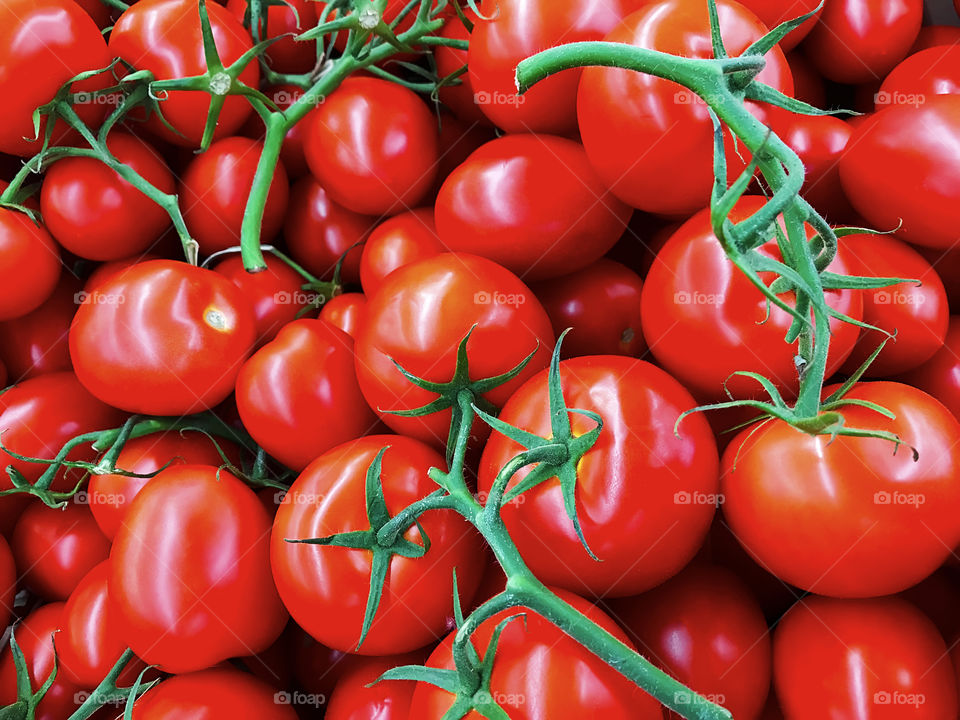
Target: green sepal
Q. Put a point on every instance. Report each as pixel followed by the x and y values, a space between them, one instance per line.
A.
pixel 760 92
pixel 767 42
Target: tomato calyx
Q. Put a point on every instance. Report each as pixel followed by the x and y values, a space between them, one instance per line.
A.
pixel 27 700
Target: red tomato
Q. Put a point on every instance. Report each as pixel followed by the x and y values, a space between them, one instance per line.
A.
pixel 96 9
pixel 399 241
pixel 325 588
pixel 857 41
pixel 514 31
pixel 373 146
pixel 940 375
pixel 356 699
pixel 934 71
pixel 163 338
pixel 460 98
pixel 163 36
pixel 215 693
pixel 881 659
pixel 286 55
pixel 96 214
pixel 190 571
pixel 38 417
pixel 639 130
pixel 849 518
pixel 705 629
pixel 111 496
pixel 274 294
pixel 933 35
pixel 918 313
pixel 44 43
pixel 418 318
pixel 8 582
pixel 601 303
pixel 458 140
pixel 318 231
pixel 36 343
pixel 29 264
pixel 903 164
pixel 55 548
pixel 542 674
pixel 672 506
pixel 345 312
pixel 304 375
pixel 774 12
pixel 115 267
pixel 694 297
pixel 531 203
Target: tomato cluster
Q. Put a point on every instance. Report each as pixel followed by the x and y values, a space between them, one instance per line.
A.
pixel 206 460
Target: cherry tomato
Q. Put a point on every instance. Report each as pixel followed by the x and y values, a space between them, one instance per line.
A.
pixel 639 130
pixel 773 12
pixel 399 241
pixel 458 140
pixel 531 203
pixel 705 629
pixel 96 214
pixel 460 98
pixel 8 582
pixel 163 338
pixel 190 571
pixel 115 267
pixel 214 693
pixel 356 699
pixel 287 388
pixel 326 588
pixel 940 375
pixel 286 55
pixel 345 312
pixel 934 71
pixel 29 264
pixel 418 318
pixel 163 36
pixel 36 343
pixel 857 41
pixel 879 658
pixel 869 521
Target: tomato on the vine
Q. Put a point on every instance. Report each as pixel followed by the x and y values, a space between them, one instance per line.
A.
pixel 345 312
pixel 355 697
pixel 940 375
pixel 286 55
pixel 774 12
pixel 221 692
pixel 934 71
pixel 36 343
pixel 29 264
pixel 398 241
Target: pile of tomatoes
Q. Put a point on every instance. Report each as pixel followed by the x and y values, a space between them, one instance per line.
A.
pixel 779 574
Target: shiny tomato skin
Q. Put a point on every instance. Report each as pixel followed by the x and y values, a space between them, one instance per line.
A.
pixel 163 36
pixel 39 416
pixel 398 241
pixel 107 270
pixel 858 41
pixel 531 203
pixel 639 479
pixel 542 674
pixel 601 303
pixel 36 343
pixel 458 140
pixel 44 43
pixel 163 338
pixel 111 496
pixel 325 588
pixel 29 264
pixel 286 55
pixel 319 231
pixel 355 698
pixel 934 71
pixel 345 312
pixel 940 375
pixel 917 313
pixel 704 628
pixel 96 214
pixel 774 12
pixel 833 658
pixel 373 146
pixel 56 548
pixel 305 374
pixel 194 532
pixel 639 130
pixel 419 317
pixel 869 522
pixel 897 170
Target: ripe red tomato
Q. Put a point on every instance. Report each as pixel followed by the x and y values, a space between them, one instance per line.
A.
pixel 163 36
pixel 849 518
pixel 36 343
pixel 38 417
pixel 940 375
pixel 858 41
pixel 773 12
pixel 897 169
pixel 458 140
pixel 639 130
pixel 459 98
pixel 418 318
pixel 163 338
pixel 220 692
pixel 934 71
pixel 694 297
pixel 879 658
pixel 96 214
pixel 540 673
pixel 531 203
pixel 190 571
pixel 44 43
pixel 8 582
pixel 115 267
pixel 285 55
pixel 214 189
pixel 111 496
pixel 671 506
pixel 54 549
pixel 601 303
pixel 318 231
pixel 373 146
pixel 399 241
pixel 345 312
pixel 705 629
pixel 354 698
pixel 29 264
pixel 918 313
pixel 305 374
pixel 325 588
